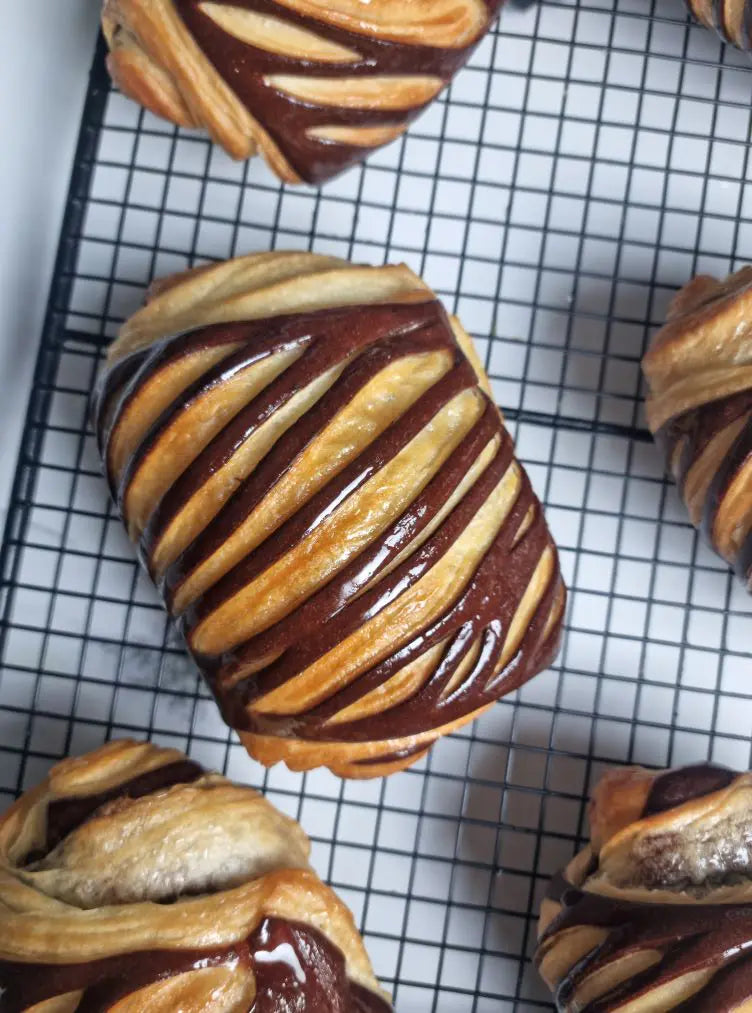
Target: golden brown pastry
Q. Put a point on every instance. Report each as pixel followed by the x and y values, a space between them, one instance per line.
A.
pixel 730 18
pixel 307 456
pixel 313 84
pixel 699 407
pixel 131 880
pixel 657 913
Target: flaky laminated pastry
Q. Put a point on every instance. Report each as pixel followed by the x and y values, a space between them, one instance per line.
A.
pixel 657 913
pixel 306 453
pixel 314 85
pixel 699 407
pixel 131 880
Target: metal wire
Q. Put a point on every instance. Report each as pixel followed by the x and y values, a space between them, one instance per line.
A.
pixel 589 160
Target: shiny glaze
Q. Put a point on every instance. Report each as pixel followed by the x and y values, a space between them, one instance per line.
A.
pixel 287 119
pixel 692 936
pixel 676 787
pixel 378 334
pixel 296 968
pixel 695 429
pixel 276 952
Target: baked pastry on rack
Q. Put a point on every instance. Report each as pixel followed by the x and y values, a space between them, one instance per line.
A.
pixel 132 880
pixel 307 456
pixel 314 85
pixel 730 18
pixel 657 913
pixel 699 407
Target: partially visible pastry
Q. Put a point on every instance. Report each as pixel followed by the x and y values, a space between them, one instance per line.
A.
pixel 131 880
pixel 657 913
pixel 307 456
pixel 699 407
pixel 730 18
pixel 314 85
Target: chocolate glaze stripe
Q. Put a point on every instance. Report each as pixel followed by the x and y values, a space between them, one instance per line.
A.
pixel 744 559
pixel 694 937
pixel 727 990
pixel 676 787
pixel 484 683
pixel 480 619
pixel 272 468
pixel 288 120
pixel 64 815
pixel 325 986
pixel 167 351
pixel 478 612
pixel 337 336
pixel 697 427
pixel 151 360
pixel 216 376
pixel 325 633
pixel 303 622
pixel 111 384
pixel 350 618
pixel 371 460
pixel 737 458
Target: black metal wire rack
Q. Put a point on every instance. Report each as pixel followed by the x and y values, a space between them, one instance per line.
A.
pixel 591 158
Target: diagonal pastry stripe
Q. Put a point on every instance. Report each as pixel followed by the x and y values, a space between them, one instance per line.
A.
pixel 312 85
pixel 349 522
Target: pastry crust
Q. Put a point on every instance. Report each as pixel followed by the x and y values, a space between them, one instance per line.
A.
pixel 730 18
pixel 323 490
pixel 699 408
pixel 130 879
pixel 657 913
pixel 311 85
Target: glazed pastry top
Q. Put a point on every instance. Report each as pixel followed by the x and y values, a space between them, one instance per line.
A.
pixel 657 913
pixel 132 879
pixel 378 64
pixel 314 85
pixel 328 499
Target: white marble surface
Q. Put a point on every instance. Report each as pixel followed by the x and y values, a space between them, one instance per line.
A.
pixel 45 54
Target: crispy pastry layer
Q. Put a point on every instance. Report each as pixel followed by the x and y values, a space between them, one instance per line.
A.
pixel 132 880
pixel 307 456
pixel 313 85
pixel 699 406
pixel 657 913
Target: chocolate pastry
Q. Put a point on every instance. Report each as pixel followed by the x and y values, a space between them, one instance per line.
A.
pixel 132 880
pixel 313 84
pixel 657 913
pixel 699 407
pixel 307 456
pixel 732 19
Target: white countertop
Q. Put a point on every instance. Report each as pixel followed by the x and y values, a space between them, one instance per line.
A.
pixel 45 54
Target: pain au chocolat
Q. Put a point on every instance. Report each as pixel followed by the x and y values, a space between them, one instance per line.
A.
pixel 699 407
pixel 132 880
pixel 314 85
pixel 307 456
pixel 657 913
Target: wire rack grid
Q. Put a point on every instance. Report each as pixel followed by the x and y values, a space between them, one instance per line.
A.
pixel 589 160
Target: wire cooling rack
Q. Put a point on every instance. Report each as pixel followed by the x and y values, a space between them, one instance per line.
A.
pixel 591 158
